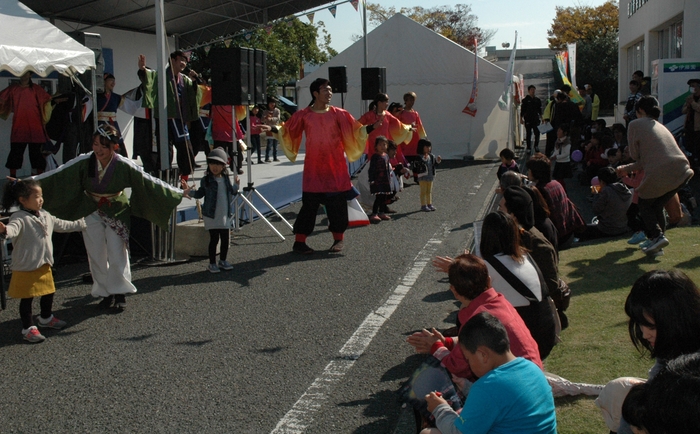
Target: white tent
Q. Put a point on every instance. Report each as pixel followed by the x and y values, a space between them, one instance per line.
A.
pixel 30 43
pixel 441 73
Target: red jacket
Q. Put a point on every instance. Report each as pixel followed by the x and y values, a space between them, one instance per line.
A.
pixel 521 342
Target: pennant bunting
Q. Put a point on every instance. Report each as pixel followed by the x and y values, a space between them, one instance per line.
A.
pixel 248 36
pixel 355 4
pixel 227 43
pixel 268 29
pixel 332 9
pixel 207 48
pixel 310 17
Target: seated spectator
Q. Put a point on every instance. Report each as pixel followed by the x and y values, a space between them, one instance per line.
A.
pixel 614 156
pixel 563 214
pixel 508 163
pixel 515 274
pixel 511 395
pixel 620 136
pixel 634 408
pixel 561 157
pixel 634 220
pixel 594 158
pixel 517 202
pixel 542 221
pixel 471 285
pixel 610 206
pixel 509 179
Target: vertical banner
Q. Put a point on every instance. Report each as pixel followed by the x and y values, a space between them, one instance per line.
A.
pixel 571 48
pixel 504 100
pixel 470 109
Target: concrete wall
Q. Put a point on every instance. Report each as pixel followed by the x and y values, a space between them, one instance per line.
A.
pixel 644 25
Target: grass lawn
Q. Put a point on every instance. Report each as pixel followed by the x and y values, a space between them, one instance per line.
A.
pixel 596 347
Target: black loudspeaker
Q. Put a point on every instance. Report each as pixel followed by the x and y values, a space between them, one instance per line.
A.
pixel 339 79
pixel 232 76
pixel 373 82
pixel 260 79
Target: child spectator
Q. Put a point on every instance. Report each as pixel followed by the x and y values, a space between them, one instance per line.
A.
pixel 634 408
pixel 425 171
pixel 594 158
pixel 610 206
pixel 562 155
pixel 255 130
pixel 30 229
pixel 218 192
pixel 379 174
pixel 634 221
pixel 511 394
pixel 614 156
pixel 398 168
pixel 508 163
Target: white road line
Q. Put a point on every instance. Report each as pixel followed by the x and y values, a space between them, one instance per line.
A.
pixel 302 413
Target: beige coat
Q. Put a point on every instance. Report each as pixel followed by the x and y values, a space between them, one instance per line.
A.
pixel 654 149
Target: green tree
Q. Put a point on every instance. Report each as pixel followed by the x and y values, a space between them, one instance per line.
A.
pixel 456 23
pixel 595 32
pixel 289 45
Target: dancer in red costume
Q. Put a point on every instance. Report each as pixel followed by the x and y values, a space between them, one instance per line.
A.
pixel 390 127
pixel 331 134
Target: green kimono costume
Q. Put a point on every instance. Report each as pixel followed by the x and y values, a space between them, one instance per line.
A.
pixel 66 191
pixel 193 95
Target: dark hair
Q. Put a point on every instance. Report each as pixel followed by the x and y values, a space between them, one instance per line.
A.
pixel 380 139
pixel 562 96
pixel 601 123
pixel 673 397
pixel 422 143
pixel 507 153
pixel 108 135
pixel 469 276
pixel 635 82
pixel 532 86
pixel 619 127
pixel 607 175
pixel 634 407
pixel 598 135
pixel 672 301
pixel 501 234
pixel 638 73
pixel 650 106
pixel 380 97
pixel 177 53
pixel 540 167
pixel 510 179
pixel 566 89
pixel 16 189
pixel 391 145
pixel 484 330
pixel 612 152
pixel 394 106
pixel 315 86
pixel 409 95
pixel 565 128
pixel 539 203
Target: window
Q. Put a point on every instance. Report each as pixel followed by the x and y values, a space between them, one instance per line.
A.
pixel 635 58
pixel 670 41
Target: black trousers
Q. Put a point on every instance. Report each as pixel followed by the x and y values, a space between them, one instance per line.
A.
pixel 530 129
pixel 652 212
pixel 336 208
pixel 216 235
pixel 16 157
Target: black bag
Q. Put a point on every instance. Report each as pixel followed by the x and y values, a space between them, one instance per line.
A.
pixel 418 166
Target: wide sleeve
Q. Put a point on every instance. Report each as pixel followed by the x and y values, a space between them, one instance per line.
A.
pixel 289 135
pixel 148 79
pixel 400 132
pixel 14 227
pixel 60 225
pixel 152 198
pixel 64 192
pixel 44 100
pixel 419 128
pixel 353 135
pixel 6 102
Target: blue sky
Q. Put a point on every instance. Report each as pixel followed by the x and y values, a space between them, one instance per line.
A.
pixel 531 18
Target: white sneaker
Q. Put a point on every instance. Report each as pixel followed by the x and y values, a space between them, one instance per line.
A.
pixel 657 244
pixel 213 268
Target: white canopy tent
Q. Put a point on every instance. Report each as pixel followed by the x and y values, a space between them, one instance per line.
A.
pixel 30 43
pixel 441 73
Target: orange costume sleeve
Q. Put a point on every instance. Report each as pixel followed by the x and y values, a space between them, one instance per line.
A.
pixel 391 128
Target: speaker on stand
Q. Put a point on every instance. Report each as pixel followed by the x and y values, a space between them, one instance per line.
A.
pixel 339 81
pixel 239 77
pixel 373 82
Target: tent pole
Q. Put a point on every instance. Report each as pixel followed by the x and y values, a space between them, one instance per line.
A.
pixel 162 90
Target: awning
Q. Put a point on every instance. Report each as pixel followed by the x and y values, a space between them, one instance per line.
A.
pixel 30 43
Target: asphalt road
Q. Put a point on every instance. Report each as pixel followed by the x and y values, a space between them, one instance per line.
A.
pixel 283 343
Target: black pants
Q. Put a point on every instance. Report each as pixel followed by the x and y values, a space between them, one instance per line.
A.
pixel 16 157
pixel 25 309
pixel 652 212
pixel 185 154
pixel 216 235
pixel 336 208
pixel 531 129
pixel 380 204
pixel 633 219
